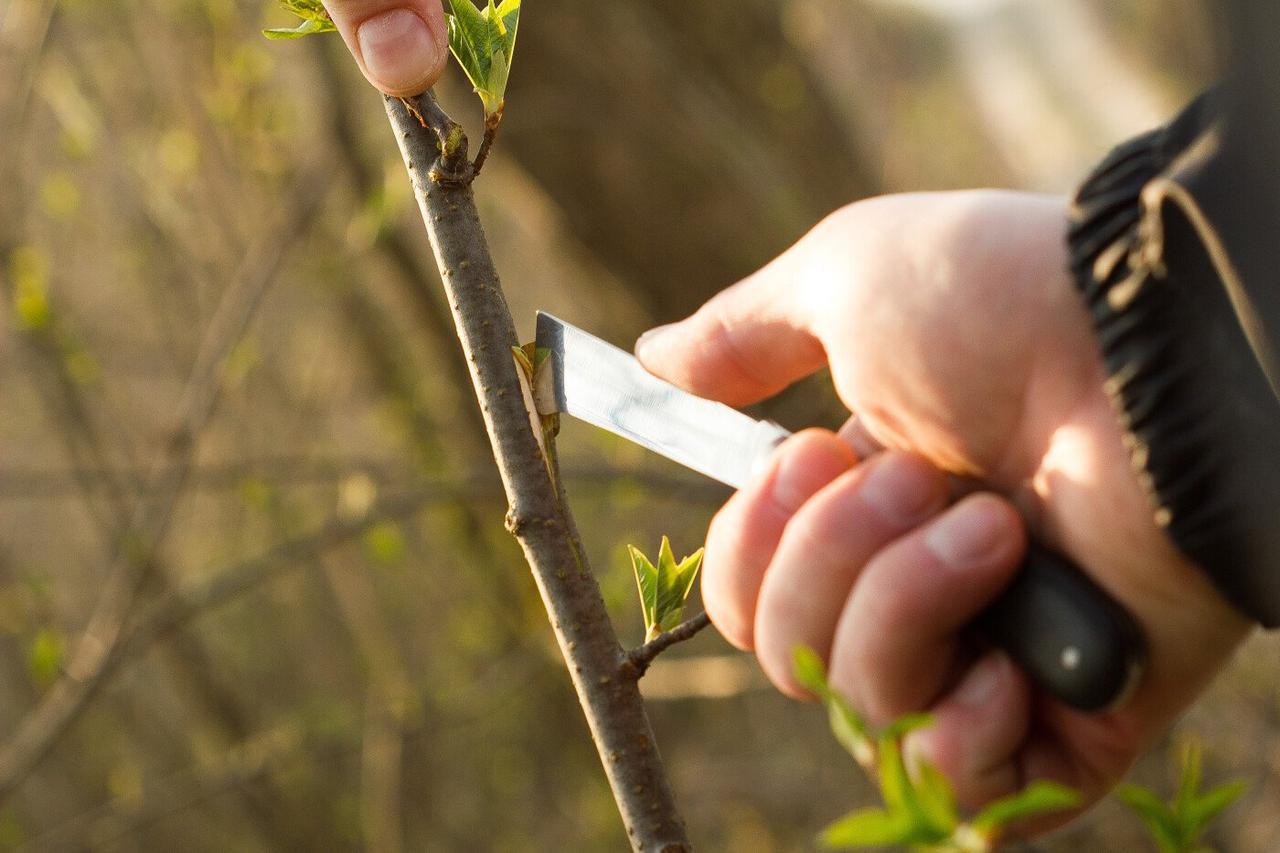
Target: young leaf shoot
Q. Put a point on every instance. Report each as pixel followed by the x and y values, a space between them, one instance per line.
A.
pixel 919 811
pixel 314 19
pixel 1176 826
pixel 484 40
pixel 664 587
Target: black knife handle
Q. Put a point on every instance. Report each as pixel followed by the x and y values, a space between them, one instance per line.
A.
pixel 1067 634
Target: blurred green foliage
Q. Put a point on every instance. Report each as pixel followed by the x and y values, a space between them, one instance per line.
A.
pixel 1177 826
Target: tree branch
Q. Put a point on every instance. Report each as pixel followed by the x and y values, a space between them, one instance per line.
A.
pixel 435 157
pixel 179 606
pixel 64 702
pixel 491 124
pixel 639 658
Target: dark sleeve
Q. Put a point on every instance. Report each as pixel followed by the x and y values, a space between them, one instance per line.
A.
pixel 1174 242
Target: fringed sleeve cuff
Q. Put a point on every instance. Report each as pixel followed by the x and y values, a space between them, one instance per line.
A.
pixel 1186 348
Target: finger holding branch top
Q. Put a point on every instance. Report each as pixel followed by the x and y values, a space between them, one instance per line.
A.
pixel 400 45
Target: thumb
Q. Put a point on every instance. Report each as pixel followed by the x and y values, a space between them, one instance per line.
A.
pixel 400 45
pixel 749 341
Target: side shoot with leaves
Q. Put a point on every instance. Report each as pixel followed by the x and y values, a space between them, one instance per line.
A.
pixel 920 809
pixel 1177 826
pixel 664 587
pixel 919 812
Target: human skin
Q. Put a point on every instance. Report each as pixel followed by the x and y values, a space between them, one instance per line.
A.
pixel 955 336
pixel 400 45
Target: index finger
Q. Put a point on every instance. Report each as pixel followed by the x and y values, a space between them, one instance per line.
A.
pixel 400 45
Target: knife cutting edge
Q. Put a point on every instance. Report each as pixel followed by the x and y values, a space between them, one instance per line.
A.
pixel 1066 633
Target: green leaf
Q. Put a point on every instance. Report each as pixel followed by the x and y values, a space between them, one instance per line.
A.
pixel 1157 816
pixel 305 28
pixel 256 493
pixel 809 671
pixel 522 359
pixel 847 725
pixel 1208 806
pixel 45 656
pixel 1192 811
pixel 468 39
pixel 899 792
pixel 483 40
pixel 1037 798
pixel 1189 783
pixel 895 784
pixel 850 729
pixel 384 543
pixel 1176 827
pixel 937 797
pixel 664 587
pixel 29 268
pixel 315 19
pixel 647 582
pixel 509 12
pixel 868 828
pixel 899 728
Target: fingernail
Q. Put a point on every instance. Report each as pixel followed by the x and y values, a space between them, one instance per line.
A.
pixel 855 434
pixel 966 534
pixel 397 49
pixel 901 488
pixel 979 685
pixel 648 338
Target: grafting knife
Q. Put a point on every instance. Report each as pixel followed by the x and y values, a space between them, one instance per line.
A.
pixel 1066 633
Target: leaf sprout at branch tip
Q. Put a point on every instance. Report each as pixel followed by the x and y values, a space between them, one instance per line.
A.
pixel 315 19
pixel 484 41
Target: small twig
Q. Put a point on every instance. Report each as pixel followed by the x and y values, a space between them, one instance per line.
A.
pixel 491 124
pixel 638 659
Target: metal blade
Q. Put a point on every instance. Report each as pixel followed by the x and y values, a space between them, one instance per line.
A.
pixel 596 382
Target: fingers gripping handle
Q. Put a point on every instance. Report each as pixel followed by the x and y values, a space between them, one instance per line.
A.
pixel 1066 633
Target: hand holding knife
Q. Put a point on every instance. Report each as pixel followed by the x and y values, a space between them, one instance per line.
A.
pixel 1070 637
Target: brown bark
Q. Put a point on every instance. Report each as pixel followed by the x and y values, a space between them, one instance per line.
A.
pixel 435 154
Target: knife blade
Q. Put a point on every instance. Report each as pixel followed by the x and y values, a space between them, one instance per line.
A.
pixel 596 382
pixel 1066 633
